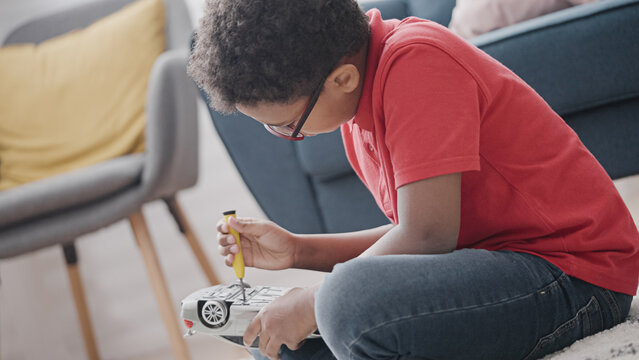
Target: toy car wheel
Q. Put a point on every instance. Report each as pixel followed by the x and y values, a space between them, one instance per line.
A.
pixel 214 314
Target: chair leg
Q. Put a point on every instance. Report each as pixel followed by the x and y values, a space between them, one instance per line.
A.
pixel 158 283
pixel 77 289
pixel 187 230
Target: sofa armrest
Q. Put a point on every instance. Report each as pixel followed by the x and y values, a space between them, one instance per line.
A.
pixel 436 10
pixel 390 9
pixel 577 58
pixel 439 11
pixel 171 160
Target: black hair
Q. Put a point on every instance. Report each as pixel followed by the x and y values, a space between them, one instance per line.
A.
pixel 249 51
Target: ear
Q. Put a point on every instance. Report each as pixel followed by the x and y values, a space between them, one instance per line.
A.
pixel 344 78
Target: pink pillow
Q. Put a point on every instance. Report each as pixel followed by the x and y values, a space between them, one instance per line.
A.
pixel 473 17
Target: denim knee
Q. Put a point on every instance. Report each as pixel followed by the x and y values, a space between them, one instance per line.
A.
pixel 343 304
pixel 334 307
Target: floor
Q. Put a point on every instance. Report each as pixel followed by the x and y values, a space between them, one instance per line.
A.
pixel 37 316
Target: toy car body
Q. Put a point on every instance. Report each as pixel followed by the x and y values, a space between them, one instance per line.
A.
pixel 220 311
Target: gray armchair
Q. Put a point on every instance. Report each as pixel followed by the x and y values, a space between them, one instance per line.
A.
pixel 58 209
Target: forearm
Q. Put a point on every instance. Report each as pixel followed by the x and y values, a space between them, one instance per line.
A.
pixel 404 240
pixel 322 251
pixel 429 218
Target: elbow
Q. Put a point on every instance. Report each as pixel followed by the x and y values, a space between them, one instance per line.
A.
pixel 436 240
pixel 441 245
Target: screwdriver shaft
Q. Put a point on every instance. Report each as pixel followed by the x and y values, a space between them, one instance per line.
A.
pixel 243 290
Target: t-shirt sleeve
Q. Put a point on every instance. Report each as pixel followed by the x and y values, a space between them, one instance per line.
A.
pixel 431 106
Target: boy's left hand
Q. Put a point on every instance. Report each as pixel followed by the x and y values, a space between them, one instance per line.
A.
pixel 285 321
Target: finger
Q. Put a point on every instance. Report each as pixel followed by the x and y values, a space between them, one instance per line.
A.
pixel 224 237
pixel 222 227
pixel 251 332
pixel 295 346
pixel 226 249
pixel 221 239
pixel 244 225
pixel 264 343
pixel 228 260
pixel 273 349
pixel 234 249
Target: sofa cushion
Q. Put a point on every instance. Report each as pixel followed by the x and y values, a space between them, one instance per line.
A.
pixel 322 157
pixel 346 205
pixel 474 17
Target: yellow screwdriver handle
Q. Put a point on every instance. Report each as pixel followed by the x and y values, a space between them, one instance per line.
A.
pixel 238 262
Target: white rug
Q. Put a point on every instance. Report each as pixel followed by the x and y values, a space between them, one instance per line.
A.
pixel 620 342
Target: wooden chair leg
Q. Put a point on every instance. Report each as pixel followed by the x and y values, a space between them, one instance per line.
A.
pixel 187 230
pixel 141 232
pixel 77 289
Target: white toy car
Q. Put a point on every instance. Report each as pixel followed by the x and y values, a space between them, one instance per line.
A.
pixel 220 311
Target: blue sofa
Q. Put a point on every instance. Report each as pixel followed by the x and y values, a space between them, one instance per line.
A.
pixel 583 61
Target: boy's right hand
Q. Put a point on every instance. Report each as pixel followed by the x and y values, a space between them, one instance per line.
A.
pixel 265 245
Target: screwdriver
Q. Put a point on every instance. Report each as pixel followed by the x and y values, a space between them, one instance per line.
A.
pixel 238 261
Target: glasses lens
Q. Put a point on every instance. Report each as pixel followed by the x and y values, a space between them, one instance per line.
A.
pixel 284 130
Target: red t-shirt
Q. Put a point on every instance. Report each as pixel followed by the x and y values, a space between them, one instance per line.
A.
pixel 432 104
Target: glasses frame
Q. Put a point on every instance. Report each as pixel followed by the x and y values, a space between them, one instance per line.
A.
pixel 296 135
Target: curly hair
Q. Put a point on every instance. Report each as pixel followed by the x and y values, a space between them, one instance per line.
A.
pixel 248 51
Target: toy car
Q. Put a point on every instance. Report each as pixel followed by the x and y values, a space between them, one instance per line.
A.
pixel 220 311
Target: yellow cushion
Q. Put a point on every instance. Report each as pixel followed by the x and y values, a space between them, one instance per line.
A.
pixel 79 98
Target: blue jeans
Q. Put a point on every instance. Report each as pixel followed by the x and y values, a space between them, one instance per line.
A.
pixel 468 304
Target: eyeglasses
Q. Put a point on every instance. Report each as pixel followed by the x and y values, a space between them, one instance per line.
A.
pixel 291 131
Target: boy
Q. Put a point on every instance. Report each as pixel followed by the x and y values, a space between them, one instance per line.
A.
pixel 507 238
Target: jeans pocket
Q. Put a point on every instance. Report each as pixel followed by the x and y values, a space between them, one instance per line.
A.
pixel 586 322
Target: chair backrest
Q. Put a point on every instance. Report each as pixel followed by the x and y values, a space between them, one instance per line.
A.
pixel 178 24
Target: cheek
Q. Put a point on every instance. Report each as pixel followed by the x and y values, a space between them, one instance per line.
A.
pixel 328 117
pixel 324 121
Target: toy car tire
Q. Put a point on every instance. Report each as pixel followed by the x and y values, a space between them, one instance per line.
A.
pixel 214 314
